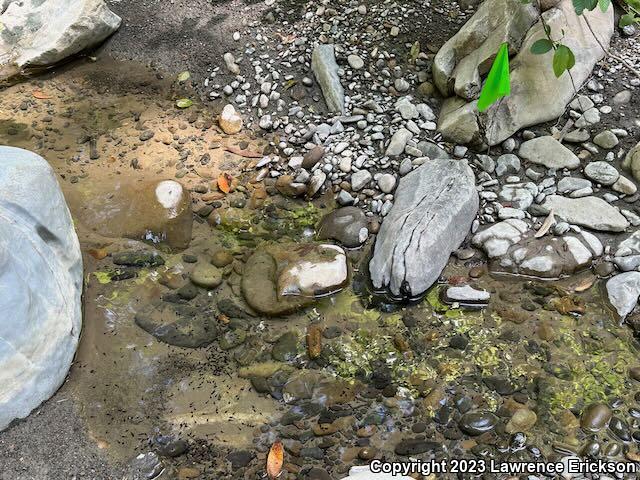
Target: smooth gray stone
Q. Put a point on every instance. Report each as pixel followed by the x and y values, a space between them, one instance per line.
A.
pixel 434 208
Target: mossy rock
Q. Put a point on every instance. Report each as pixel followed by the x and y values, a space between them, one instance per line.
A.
pixel 260 290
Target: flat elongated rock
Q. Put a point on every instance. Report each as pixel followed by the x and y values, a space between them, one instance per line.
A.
pixel 32 39
pixel 325 69
pixel 433 211
pixel 40 281
pixel 590 212
pixel 623 291
pixel 549 152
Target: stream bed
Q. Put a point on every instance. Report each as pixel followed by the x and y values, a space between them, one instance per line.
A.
pixel 187 351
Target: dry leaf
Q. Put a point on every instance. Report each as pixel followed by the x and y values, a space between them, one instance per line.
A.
pixel 224 182
pixel 98 253
pixel 548 223
pixel 275 460
pixel 314 341
pixel 243 153
pixel 584 284
pixel 40 95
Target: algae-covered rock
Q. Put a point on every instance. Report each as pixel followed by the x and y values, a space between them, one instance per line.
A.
pixel 279 279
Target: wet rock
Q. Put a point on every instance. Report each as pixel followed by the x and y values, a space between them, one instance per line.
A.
pixel 620 429
pixel 286 347
pixel 150 210
pixel 232 339
pixel 32 41
pixel 433 211
pixel 477 423
pixel 240 459
pixel 347 225
pixel 288 187
pixel 230 121
pixel 459 342
pixel 313 271
pixel 595 417
pixel 325 69
pixel 179 325
pixel 232 309
pixel 280 279
pixel 549 152
pixel 317 474
pixel 501 385
pixel 522 421
pixel 206 276
pixel 169 446
pixel 590 212
pixel 138 258
pixel 221 258
pixel 416 446
pixel 623 291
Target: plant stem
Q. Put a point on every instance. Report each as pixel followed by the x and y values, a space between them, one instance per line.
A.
pixel 606 52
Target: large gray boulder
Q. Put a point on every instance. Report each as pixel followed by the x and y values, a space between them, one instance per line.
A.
pixel 434 208
pixel 536 94
pixel 39 33
pixel 40 284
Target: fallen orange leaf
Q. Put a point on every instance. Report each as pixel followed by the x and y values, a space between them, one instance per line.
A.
pixel 224 182
pixel 314 341
pixel 98 253
pixel 275 460
pixel 40 95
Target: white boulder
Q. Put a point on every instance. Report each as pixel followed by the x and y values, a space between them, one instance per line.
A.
pixel 40 284
pixel 39 33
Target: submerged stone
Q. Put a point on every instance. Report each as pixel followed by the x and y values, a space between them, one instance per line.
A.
pixel 347 225
pixel 279 279
pixel 178 325
pixel 153 211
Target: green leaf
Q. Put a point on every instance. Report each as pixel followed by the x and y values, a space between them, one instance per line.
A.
pixel 604 4
pixel 541 46
pixel 627 19
pixel 497 84
pixel 184 103
pixel 563 60
pixel 579 6
pixel 184 76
